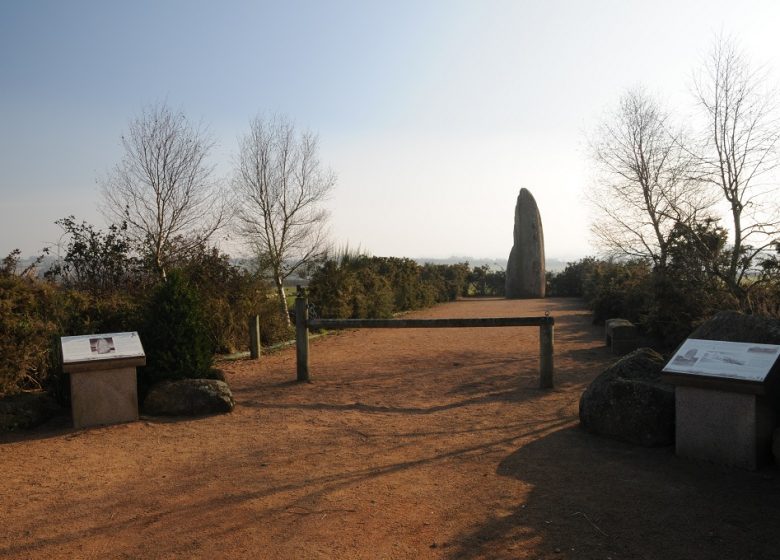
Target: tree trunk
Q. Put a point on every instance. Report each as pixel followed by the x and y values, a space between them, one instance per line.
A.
pixel 282 299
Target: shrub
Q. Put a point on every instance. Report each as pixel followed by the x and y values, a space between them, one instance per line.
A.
pixel 618 289
pixel 446 282
pixel 482 281
pixel 351 288
pixel 229 295
pixel 34 314
pixel 765 295
pixel 570 282
pixel 359 286
pixel 685 292
pixel 28 325
pixel 96 261
pixel 174 333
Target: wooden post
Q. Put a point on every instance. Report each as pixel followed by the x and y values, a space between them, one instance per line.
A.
pixel 546 368
pixel 302 334
pixel 254 337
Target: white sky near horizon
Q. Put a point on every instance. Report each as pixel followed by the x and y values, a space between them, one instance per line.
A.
pixel 433 114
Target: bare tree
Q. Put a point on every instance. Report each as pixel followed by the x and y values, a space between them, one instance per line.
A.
pixel 280 185
pixel 644 184
pixel 739 155
pixel 163 188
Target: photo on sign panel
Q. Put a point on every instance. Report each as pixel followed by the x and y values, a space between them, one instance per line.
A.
pixel 724 358
pixel 103 345
pixel 687 359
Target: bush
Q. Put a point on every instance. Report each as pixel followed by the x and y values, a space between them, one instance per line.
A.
pixel 618 289
pixel 28 324
pixel 445 282
pixel 273 327
pixel 351 288
pixel 229 296
pixel 685 292
pixel 174 334
pixel 765 299
pixel 359 286
pixel 482 281
pixel 98 262
pixel 570 282
pixel 34 314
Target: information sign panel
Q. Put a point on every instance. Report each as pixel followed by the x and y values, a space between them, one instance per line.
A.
pixel 744 361
pixel 96 347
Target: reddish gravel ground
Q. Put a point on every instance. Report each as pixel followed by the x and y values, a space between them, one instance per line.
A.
pixel 408 444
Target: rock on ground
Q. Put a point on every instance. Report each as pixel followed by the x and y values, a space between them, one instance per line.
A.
pixel 188 397
pixel 776 445
pixel 27 410
pixel 630 402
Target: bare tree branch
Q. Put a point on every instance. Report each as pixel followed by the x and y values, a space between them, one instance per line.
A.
pixel 738 152
pixel 280 185
pixel 645 181
pixel 163 188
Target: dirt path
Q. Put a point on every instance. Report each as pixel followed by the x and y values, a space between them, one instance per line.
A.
pixel 408 444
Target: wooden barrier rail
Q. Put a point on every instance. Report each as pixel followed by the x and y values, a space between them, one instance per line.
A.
pixel 303 324
pixel 429 323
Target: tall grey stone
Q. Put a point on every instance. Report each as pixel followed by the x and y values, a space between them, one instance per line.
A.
pixel 525 269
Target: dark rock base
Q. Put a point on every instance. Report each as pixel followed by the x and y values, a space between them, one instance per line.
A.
pixel 630 402
pixel 188 397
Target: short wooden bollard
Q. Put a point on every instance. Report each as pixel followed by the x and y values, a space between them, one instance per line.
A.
pixel 254 337
pixel 302 334
pixel 546 367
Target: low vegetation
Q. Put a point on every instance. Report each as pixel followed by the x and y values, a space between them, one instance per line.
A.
pixel 356 286
pixel 105 282
pixel 667 304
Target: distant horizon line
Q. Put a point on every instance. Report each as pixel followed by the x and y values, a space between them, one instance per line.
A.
pixel 451 258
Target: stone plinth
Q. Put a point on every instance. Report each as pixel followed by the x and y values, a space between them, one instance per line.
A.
pixel 728 428
pixel 621 336
pixel 103 387
pixel 104 396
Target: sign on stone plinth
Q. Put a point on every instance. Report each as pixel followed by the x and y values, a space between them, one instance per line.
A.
pixel 103 376
pixel 90 348
pixel 724 400
pixel 746 366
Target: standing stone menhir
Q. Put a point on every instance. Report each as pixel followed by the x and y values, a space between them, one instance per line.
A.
pixel 525 269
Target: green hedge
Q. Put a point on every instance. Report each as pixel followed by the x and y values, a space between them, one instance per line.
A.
pixel 359 286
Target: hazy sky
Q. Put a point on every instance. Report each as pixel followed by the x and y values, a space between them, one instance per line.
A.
pixel 433 114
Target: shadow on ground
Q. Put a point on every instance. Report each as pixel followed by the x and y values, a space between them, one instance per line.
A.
pixel 647 504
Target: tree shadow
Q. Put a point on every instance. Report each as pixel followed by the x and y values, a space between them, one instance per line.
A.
pixel 507 396
pixel 213 517
pixel 596 498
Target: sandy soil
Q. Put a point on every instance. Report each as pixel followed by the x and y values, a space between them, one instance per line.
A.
pixel 408 444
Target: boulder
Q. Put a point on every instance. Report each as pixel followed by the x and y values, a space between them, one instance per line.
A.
pixel 27 410
pixel 732 326
pixel 630 402
pixel 776 445
pixel 188 397
pixel 525 269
